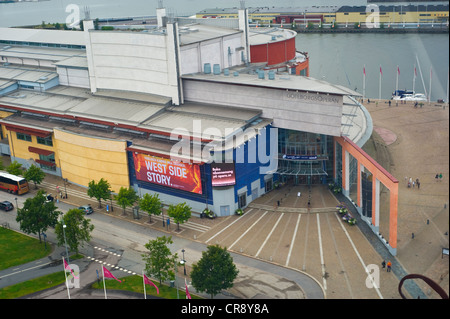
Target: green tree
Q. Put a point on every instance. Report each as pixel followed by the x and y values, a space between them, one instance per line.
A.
pixel 151 204
pixel 126 197
pixel 159 260
pixel 214 272
pixel 15 168
pixel 78 229
pixel 100 190
pixel 180 213
pixel 36 215
pixel 34 174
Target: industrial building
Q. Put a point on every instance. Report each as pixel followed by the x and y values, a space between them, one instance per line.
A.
pixel 387 14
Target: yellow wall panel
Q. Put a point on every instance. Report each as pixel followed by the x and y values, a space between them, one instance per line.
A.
pixel 84 158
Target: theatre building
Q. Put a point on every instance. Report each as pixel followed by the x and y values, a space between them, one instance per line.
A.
pixel 180 109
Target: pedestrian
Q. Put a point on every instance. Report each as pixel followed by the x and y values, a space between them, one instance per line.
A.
pixel 437 177
pixel 414 183
pixel 389 103
pixel 418 185
pixel 383 264
pixel 440 177
pixel 389 264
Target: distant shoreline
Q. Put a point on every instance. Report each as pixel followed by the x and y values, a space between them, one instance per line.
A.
pixel 352 30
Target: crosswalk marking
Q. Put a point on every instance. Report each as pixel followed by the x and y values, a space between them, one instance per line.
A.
pixel 248 229
pixel 270 234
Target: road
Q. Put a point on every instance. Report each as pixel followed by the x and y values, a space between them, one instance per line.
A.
pixel 119 244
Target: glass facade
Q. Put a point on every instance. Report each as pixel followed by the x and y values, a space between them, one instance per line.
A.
pixel 304 158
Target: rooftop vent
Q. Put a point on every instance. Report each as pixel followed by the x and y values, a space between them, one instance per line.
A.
pixel 207 68
pixel 216 69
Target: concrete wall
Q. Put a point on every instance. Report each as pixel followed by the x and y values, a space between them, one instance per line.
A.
pixel 133 61
pixel 194 56
pixel 299 111
pixel 73 77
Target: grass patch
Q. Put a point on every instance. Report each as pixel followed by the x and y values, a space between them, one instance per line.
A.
pixel 17 249
pixel 30 286
pixel 134 283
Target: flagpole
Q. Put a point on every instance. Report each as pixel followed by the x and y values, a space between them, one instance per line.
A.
pixel 396 82
pixel 65 275
pixel 104 286
pixel 414 79
pixel 143 281
pixel 429 91
pixel 379 89
pixel 364 83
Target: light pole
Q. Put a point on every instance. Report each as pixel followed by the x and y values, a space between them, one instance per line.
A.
pixel 65 189
pixel 17 205
pixel 65 242
pixel 183 261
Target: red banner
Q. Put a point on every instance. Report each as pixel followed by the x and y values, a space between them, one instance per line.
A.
pixel 168 173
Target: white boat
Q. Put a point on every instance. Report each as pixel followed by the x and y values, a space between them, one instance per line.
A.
pixel 407 95
pixel 417 97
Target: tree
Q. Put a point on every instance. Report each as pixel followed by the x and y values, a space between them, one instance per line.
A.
pixel 100 190
pixel 214 272
pixel 126 197
pixel 151 204
pixel 15 168
pixel 159 261
pixel 34 174
pixel 180 213
pixel 37 215
pixel 78 229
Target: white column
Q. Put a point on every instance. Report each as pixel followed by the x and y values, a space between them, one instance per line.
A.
pixel 346 171
pixel 376 199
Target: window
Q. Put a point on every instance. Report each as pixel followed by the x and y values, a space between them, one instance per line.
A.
pixel 47 162
pixel 242 201
pixel 45 141
pixel 23 137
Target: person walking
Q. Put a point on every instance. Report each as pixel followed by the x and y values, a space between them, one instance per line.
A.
pixel 383 264
pixel 389 264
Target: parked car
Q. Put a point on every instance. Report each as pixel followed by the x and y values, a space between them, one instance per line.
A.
pixel 48 198
pixel 87 209
pixel 6 206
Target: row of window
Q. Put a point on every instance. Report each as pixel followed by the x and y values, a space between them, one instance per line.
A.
pixel 40 140
pixel 47 45
pixel 43 141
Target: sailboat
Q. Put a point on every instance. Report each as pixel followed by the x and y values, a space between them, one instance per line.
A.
pixel 409 95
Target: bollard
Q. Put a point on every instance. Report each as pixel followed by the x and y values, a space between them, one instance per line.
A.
pixel 412 235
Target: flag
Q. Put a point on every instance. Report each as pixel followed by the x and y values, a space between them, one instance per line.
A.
pixel 398 70
pixel 381 71
pixel 364 71
pixel 66 266
pixel 415 71
pixel 108 274
pixel 149 282
pixel 188 296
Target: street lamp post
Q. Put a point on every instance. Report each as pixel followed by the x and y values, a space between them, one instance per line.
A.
pixel 65 189
pixel 183 261
pixel 65 242
pixel 17 205
pixel 162 210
